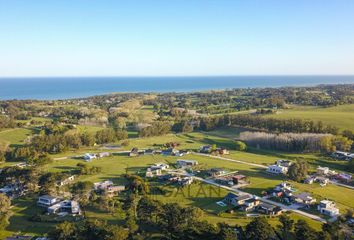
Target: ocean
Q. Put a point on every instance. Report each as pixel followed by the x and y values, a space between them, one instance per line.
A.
pixel 76 87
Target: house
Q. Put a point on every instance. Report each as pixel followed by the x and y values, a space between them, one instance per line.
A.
pixel 322 170
pixel 47 200
pixel 342 155
pixel 284 163
pixel 323 181
pixel 161 166
pixel 309 180
pixel 205 149
pixel 103 154
pixel 277 169
pixel 153 172
pixel 112 190
pixel 250 204
pixel 225 181
pixel 214 172
pixel 149 152
pixel 269 209
pixel 89 157
pixel 185 181
pixel 186 163
pixel 343 177
pixel 303 198
pixel 171 152
pixel 237 200
pixel 329 208
pixel 283 189
pixel 237 179
pixel 231 198
pixel 67 206
pixel 222 151
pixel 19 237
pixel 66 181
pixel 134 152
pixel 102 185
pixel 7 190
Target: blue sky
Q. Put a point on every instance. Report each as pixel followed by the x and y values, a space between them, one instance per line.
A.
pixel 176 37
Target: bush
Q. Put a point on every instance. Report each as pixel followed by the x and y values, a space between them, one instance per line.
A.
pixel 240 146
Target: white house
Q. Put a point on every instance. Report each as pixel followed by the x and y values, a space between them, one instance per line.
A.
pixel 89 157
pixel 322 170
pixel 68 206
pixel 102 185
pixel 329 208
pixel 186 163
pixel 103 154
pixel 161 166
pixel 277 169
pixel 47 200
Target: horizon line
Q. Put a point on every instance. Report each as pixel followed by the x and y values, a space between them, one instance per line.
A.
pixel 178 76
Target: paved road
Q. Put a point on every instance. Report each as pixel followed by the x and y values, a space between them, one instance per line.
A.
pixel 263 199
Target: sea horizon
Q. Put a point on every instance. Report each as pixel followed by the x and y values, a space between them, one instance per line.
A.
pixel 69 87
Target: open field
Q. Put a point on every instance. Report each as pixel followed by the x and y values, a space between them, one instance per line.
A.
pixel 340 116
pixel 115 166
pixel 15 136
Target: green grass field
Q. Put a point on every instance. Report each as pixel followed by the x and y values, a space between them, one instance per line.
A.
pixel 340 116
pixel 113 167
pixel 15 136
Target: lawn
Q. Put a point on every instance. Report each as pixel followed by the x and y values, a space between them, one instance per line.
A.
pixel 15 136
pixel 340 116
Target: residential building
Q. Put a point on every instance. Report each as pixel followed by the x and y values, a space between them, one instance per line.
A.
pixel 269 209
pixel 89 157
pixel 161 166
pixel 284 163
pixel 322 170
pixel 186 163
pixel 67 206
pixel 153 172
pixel 134 152
pixel 102 185
pixel 205 149
pixel 303 198
pixel 329 208
pixel 214 172
pixel 103 154
pixel 277 169
pixel 47 200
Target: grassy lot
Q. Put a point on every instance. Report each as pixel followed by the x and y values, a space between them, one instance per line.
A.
pixel 113 167
pixel 15 136
pixel 340 116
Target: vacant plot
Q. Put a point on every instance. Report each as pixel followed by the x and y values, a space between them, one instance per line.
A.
pixel 15 136
pixel 339 116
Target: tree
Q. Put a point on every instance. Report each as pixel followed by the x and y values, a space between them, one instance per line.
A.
pixel 298 170
pixel 2 157
pixel 332 228
pixel 117 233
pixel 240 146
pixel 226 232
pixel 259 229
pixel 5 204
pixel 64 231
pixel 303 231
pixel 286 226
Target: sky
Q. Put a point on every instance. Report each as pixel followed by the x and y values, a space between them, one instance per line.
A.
pixel 176 37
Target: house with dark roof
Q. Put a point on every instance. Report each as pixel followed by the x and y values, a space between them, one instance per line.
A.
pixel 269 209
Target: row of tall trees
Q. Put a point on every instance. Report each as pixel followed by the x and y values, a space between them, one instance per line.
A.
pixel 299 142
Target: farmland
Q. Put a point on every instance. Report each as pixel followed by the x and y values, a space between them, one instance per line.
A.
pixel 340 116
